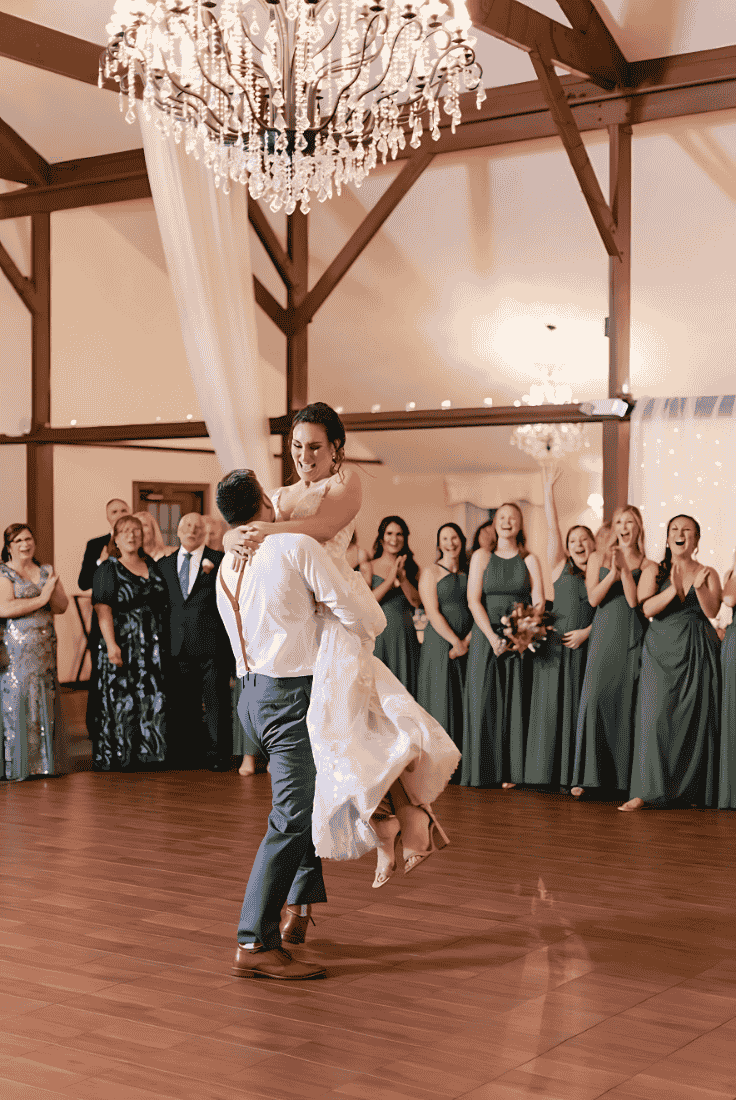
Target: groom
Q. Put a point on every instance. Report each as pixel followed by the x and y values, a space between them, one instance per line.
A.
pixel 269 611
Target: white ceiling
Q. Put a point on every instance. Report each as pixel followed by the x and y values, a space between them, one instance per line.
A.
pixel 452 298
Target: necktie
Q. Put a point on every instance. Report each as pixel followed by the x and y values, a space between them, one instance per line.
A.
pixel 184 574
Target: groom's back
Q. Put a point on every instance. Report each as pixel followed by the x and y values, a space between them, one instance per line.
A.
pixel 269 608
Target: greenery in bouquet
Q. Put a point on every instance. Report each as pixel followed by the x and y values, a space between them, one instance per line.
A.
pixel 526 627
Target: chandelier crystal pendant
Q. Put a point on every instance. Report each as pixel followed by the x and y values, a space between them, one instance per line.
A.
pixel 548 442
pixel 293 96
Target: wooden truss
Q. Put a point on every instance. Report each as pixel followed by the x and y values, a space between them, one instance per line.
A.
pixel 603 92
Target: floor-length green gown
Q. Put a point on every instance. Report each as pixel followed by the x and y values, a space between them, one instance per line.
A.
pixel 678 716
pixel 441 678
pixel 727 770
pixel 398 646
pixel 605 734
pixel 558 683
pixel 497 689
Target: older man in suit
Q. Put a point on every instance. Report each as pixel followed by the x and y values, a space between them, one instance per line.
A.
pixel 201 656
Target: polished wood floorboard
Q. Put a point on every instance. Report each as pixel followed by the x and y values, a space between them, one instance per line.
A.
pixel 556 950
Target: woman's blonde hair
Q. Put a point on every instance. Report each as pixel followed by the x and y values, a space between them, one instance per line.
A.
pixel 520 535
pixel 613 538
pixel 158 549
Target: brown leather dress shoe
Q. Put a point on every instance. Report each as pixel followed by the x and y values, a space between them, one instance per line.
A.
pixel 294 928
pixel 276 963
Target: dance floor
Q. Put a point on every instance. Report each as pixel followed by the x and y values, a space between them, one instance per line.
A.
pixel 556 950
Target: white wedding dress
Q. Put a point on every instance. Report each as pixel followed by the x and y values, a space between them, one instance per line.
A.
pixel 364 726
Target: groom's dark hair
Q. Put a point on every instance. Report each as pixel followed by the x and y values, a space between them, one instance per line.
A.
pixel 239 497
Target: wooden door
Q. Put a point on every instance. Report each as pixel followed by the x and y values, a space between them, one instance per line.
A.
pixel 168 502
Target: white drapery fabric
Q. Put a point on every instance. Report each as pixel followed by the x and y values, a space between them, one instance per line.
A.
pixel 682 459
pixel 205 240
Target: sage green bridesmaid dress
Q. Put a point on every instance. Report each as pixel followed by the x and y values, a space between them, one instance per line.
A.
pixel 398 645
pixel 557 686
pixel 441 678
pixel 678 717
pixel 497 689
pixel 605 735
pixel 727 771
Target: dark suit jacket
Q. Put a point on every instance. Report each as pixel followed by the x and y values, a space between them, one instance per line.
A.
pixel 196 629
pixel 92 552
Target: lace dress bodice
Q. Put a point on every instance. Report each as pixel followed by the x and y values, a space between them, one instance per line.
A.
pixel 308 505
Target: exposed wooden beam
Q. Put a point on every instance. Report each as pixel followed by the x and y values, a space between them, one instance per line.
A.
pixel 269 305
pixel 297 338
pixel 267 236
pixel 23 163
pixel 22 286
pixel 365 233
pixel 570 136
pixel 72 196
pixel 45 48
pixel 584 18
pixel 39 459
pixel 616 436
pixel 126 164
pixel 591 54
pixel 354 422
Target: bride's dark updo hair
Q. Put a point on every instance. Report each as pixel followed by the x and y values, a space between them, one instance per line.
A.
pixel 320 413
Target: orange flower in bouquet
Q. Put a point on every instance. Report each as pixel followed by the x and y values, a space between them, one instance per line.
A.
pixel 525 627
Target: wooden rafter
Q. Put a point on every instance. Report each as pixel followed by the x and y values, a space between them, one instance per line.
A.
pixel 570 135
pixel 365 233
pixel 269 305
pixel 501 416
pixel 593 54
pixel 584 18
pixel 22 286
pixel 21 162
pixel 267 236
pixel 49 49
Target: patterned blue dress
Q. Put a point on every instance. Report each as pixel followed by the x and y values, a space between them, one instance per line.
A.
pixel 131 725
pixel 28 687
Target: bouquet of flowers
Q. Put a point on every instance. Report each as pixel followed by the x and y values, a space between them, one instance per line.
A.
pixel 525 627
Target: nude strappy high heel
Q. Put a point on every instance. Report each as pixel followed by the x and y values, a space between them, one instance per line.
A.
pixel 387 830
pixel 438 839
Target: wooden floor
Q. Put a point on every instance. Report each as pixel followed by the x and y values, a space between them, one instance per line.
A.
pixel 556 950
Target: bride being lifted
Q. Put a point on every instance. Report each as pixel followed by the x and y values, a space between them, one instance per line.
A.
pixel 381 759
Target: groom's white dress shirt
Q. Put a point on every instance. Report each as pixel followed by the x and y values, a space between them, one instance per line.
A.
pixel 278 627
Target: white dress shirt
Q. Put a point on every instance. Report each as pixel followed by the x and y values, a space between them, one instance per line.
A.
pixel 277 631
pixel 194 563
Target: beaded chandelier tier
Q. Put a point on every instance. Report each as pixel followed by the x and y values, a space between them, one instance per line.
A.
pixel 548 442
pixel 293 96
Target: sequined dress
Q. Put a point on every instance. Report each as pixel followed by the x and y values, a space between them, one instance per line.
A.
pixel 28 688
pixel 364 726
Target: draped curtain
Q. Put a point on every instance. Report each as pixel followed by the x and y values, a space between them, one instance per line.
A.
pixel 205 237
pixel 682 459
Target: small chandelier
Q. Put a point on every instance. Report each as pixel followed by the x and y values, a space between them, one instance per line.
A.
pixel 293 95
pixel 547 442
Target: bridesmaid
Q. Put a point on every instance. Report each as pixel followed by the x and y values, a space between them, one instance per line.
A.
pixel 560 666
pixel 727 772
pixel 678 715
pixel 605 733
pixel 443 589
pixel 498 683
pixel 393 574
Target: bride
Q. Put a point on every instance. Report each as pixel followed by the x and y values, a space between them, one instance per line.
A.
pixel 381 759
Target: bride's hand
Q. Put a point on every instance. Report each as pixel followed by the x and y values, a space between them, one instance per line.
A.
pixel 249 536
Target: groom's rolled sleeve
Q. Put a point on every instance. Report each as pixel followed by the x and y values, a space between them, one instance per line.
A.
pixel 330 588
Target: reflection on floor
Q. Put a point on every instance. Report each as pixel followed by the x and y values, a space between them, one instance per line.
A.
pixel 556 950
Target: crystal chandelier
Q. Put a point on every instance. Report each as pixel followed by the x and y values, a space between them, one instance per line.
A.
pixel 291 95
pixel 547 442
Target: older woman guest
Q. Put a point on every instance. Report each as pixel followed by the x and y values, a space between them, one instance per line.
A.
pixel 443 588
pixel 129 597
pixel 214 529
pixel 30 595
pixel 153 540
pixel 393 575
